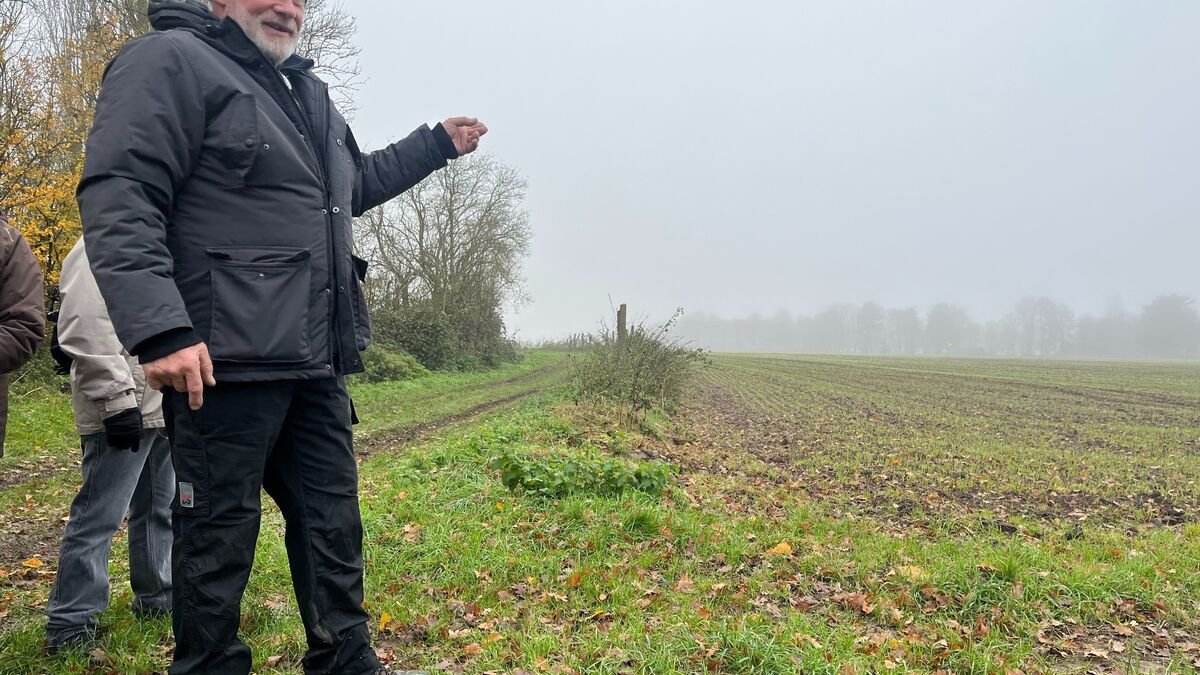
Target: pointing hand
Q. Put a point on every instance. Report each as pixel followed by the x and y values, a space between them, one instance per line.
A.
pixel 465 132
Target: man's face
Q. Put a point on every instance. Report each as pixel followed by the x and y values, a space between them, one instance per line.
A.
pixel 273 25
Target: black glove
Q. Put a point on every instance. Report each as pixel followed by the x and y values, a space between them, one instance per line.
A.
pixel 124 430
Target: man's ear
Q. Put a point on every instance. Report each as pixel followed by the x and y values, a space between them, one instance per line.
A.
pixel 219 7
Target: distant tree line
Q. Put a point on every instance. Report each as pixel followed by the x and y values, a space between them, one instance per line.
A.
pixel 1166 327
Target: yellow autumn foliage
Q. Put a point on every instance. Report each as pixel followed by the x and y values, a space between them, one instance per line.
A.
pixel 47 95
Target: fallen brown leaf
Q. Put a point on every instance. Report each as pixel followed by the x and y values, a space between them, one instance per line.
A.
pixel 802 639
pixel 912 572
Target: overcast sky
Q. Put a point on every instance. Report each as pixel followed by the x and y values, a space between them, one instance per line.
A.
pixel 758 156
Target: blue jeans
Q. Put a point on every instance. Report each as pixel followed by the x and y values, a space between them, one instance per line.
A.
pixel 115 481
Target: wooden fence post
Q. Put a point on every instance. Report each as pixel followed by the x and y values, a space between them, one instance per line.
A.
pixel 622 331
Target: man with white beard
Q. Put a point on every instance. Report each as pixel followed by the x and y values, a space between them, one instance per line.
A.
pixel 217 198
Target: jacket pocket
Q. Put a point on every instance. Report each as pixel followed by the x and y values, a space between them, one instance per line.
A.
pixel 189 454
pixel 260 304
pixel 362 319
pixel 360 267
pixel 356 155
pixel 237 139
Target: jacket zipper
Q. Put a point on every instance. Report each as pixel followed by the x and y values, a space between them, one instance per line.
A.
pixel 322 170
pixel 336 337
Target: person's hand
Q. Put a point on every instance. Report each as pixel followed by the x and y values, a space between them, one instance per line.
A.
pixel 123 431
pixel 187 370
pixel 465 132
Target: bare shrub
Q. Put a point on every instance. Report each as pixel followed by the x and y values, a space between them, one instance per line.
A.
pixel 650 370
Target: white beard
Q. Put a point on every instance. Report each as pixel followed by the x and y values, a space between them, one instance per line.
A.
pixel 277 49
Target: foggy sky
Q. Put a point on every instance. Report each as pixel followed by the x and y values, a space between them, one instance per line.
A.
pixel 758 156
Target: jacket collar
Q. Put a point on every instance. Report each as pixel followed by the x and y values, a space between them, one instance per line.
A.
pixel 225 35
pixel 297 64
pixel 168 14
pixel 234 42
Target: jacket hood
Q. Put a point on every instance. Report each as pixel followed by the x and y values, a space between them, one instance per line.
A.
pixel 168 14
pixel 225 36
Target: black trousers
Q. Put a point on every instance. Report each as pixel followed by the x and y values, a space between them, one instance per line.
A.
pixel 292 438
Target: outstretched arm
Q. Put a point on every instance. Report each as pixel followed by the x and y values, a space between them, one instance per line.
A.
pixel 386 173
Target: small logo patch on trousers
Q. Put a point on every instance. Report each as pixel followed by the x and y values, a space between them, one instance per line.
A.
pixel 187 496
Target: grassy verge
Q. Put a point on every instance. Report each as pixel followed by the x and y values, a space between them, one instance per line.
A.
pixel 41 468
pixel 734 569
pixel 38 475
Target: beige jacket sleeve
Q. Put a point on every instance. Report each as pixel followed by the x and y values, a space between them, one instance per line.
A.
pixel 101 369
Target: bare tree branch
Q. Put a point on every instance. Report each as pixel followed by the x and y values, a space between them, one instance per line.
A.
pixel 459 239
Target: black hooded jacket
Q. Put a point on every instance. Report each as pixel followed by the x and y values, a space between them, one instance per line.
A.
pixel 217 203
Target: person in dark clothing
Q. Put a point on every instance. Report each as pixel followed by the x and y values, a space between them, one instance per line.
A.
pixel 217 196
pixel 22 310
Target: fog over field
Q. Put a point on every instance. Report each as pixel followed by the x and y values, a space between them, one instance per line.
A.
pixel 931 404
pixel 734 158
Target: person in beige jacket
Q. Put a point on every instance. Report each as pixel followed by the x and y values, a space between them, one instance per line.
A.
pixel 126 467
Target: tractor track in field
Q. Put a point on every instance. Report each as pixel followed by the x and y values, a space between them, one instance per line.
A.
pixel 373 442
pixel 392 438
pixel 486 386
